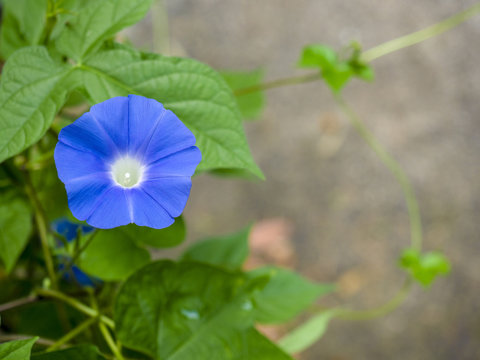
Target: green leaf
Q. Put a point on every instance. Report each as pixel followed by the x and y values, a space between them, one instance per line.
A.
pixel 17 350
pixel 424 267
pixel 363 71
pixel 10 36
pixel 285 296
pixel 113 255
pixel 229 251
pixel 186 310
pixel 258 347
pixel 307 334
pixel 159 238
pixel 23 24
pixel 250 105
pixel 335 72
pixel 81 352
pixel 31 93
pixel 318 56
pixel 116 253
pixel 193 91
pixel 15 228
pixel 40 318
pixel 94 24
pixel 67 11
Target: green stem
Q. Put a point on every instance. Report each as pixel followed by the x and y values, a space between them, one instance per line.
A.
pixel 383 310
pixel 77 252
pixel 111 344
pixel 419 36
pixel 279 83
pixel 375 52
pixel 82 248
pixel 395 169
pixel 41 222
pixel 73 333
pixel 77 305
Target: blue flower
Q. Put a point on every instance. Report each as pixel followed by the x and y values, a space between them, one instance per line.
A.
pixel 127 160
pixel 74 274
pixel 70 272
pixel 68 229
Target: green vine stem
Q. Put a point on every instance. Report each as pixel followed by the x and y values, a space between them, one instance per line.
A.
pixel 79 249
pixel 77 305
pixel 411 201
pixel 279 83
pixel 395 169
pixel 82 248
pixel 110 342
pixel 375 52
pixel 72 334
pixel 380 311
pixel 419 36
pixel 42 227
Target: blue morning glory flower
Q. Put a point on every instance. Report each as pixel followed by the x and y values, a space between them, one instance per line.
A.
pixel 78 276
pixel 71 272
pixel 127 160
pixel 68 229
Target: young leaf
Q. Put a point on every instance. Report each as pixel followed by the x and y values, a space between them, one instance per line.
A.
pixel 23 24
pixel 285 296
pixel 17 350
pixel 335 72
pixel 186 310
pixel 30 96
pixel 81 352
pixel 98 22
pixel 306 334
pixel 193 91
pixel 424 267
pixel 229 251
pixel 112 255
pixel 15 228
pixel 318 56
pixel 250 105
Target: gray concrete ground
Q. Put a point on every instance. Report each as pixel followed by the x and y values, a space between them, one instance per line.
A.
pixel 349 217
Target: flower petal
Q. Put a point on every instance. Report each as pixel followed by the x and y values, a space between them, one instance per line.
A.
pixel 112 117
pixel 72 163
pixel 169 136
pixel 144 117
pixel 171 193
pixel 182 163
pixel 111 210
pixel 147 211
pixel 85 134
pixel 84 193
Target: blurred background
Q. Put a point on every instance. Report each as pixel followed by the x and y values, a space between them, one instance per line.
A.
pixel 329 208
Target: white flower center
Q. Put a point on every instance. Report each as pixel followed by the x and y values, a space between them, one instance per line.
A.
pixel 127 171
